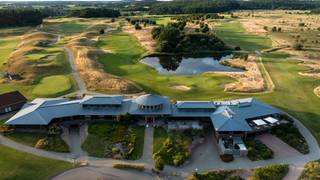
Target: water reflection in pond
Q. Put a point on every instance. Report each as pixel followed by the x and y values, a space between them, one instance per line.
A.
pixel 188 65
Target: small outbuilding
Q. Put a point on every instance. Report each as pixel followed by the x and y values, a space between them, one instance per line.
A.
pixel 12 101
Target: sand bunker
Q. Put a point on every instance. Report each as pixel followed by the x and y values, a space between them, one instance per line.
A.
pixel 182 87
pixel 317 91
pixel 249 81
pixel 91 71
pixel 144 36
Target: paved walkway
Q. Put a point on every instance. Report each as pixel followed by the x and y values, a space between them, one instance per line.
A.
pixel 148 147
pixel 75 73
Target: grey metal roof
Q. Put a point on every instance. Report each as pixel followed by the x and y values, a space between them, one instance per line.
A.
pixel 150 100
pixel 165 110
pixel 195 105
pixel 102 100
pixel 234 116
pixel 229 115
pixel 224 119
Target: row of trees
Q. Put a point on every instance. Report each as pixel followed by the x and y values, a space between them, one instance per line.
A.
pixel 20 17
pixel 216 6
pixel 173 39
pixel 94 13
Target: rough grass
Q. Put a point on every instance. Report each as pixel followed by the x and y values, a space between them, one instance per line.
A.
pixel 234 34
pixel 22 166
pixel 52 86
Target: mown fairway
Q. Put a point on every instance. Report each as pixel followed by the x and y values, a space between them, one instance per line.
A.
pixel 53 86
pixel 234 34
pixel 124 62
pixel 18 165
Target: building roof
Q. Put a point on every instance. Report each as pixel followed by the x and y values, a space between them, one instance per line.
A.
pixel 224 119
pixel 102 100
pixel 150 100
pixel 225 115
pixel 195 105
pixel 233 115
pixel 10 98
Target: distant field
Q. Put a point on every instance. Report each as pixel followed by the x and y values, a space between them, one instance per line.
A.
pixel 22 166
pixel 124 62
pixel 234 34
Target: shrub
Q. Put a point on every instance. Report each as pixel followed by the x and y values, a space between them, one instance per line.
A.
pixel 42 143
pixel 236 178
pixel 311 171
pixel 265 28
pixel 237 48
pixel 301 24
pixel 273 172
pixel 297 46
pixel 158 163
pixel 274 29
pixel 139 167
pixel 214 175
pixel 226 157
pixel 137 26
pixel 101 31
pixel 257 150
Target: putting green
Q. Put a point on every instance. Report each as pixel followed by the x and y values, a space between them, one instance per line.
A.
pixel 52 86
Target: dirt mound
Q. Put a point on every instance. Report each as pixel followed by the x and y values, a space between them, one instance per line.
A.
pixel 249 81
pixel 19 63
pixel 317 91
pixel 91 71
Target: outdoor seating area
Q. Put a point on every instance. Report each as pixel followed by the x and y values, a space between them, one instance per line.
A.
pixel 264 123
pixel 182 125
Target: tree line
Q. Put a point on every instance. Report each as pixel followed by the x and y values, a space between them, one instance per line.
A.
pixel 94 13
pixel 216 6
pixel 173 39
pixel 20 17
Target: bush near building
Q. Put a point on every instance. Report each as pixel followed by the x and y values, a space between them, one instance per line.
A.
pixel 214 175
pixel 311 171
pixel 114 140
pixel 257 150
pixel 139 167
pixel 174 151
pixel 289 134
pixel 273 172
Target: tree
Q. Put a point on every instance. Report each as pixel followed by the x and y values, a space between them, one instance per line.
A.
pixel 101 31
pixel 274 29
pixel 297 46
pixel 137 26
pixel 205 28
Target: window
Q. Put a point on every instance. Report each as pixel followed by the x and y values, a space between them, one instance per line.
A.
pixel 7 109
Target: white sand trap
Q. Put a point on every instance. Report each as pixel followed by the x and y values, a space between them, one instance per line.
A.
pixel 317 91
pixel 182 87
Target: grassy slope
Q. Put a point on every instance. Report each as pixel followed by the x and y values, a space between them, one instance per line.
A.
pixel 18 165
pixel 124 62
pixel 7 45
pixel 49 85
pixel 159 135
pixel 233 33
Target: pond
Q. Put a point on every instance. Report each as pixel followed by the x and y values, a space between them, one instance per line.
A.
pixel 188 65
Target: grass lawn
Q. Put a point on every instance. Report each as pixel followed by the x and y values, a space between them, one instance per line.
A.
pixel 124 62
pixel 19 165
pixel 234 34
pixel 30 139
pixel 138 147
pixel 52 86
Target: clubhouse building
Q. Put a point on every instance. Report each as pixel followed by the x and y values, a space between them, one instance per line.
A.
pixel 231 120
